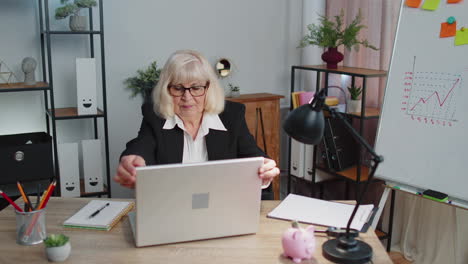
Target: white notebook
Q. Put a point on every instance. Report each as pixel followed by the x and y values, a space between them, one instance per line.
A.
pixel 320 212
pixel 105 219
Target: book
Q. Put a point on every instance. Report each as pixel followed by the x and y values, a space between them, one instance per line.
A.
pixel 320 212
pixel 332 100
pixel 295 98
pixel 305 97
pixel 109 214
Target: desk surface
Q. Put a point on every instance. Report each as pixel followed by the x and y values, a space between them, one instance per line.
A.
pixel 117 245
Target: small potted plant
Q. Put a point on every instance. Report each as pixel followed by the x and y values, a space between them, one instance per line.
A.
pixel 332 34
pixel 77 22
pixel 235 90
pixel 144 82
pixel 58 247
pixel 354 105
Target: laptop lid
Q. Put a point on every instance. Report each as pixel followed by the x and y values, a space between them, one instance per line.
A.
pixel 185 202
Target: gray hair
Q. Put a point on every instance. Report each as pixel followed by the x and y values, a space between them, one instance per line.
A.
pixel 186 66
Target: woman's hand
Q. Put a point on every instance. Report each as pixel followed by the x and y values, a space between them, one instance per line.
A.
pixel 267 172
pixel 126 172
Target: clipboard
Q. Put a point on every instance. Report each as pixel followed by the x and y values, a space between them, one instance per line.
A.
pixel 325 213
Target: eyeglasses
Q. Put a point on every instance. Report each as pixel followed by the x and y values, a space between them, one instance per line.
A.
pixel 195 91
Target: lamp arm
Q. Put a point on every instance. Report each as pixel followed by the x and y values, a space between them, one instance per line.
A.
pixel 354 133
pixel 375 157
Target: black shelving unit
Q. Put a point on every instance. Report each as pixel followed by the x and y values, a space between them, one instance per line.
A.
pixel 57 114
pixel 359 173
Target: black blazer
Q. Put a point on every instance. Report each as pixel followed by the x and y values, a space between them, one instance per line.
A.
pixel 163 146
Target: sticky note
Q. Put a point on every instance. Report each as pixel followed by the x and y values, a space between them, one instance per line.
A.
pixel 431 5
pixel 453 1
pixel 413 3
pixel 461 38
pixel 448 30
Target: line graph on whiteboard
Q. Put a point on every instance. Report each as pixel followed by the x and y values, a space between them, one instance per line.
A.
pixel 431 97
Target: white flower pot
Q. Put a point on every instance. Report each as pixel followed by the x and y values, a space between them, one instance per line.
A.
pixel 235 93
pixel 57 254
pixel 354 106
pixel 78 23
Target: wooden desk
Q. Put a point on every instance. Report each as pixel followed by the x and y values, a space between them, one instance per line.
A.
pixel 117 245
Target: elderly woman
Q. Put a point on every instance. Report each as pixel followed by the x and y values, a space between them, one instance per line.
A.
pixel 190 122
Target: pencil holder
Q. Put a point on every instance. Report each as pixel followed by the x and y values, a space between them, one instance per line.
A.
pixel 30 227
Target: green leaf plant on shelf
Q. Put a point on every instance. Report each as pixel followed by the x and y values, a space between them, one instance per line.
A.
pixel 144 82
pixel 332 34
pixel 72 10
pixel 354 105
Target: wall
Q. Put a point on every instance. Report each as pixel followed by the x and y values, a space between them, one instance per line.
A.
pixel 19 38
pixel 260 37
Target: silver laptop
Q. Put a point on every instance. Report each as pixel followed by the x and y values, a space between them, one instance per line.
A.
pixel 185 202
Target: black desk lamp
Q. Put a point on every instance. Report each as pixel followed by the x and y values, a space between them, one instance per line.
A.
pixel 306 124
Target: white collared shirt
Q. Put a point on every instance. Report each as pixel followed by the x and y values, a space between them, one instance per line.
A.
pixel 195 150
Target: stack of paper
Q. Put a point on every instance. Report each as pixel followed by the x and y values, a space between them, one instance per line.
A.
pixel 320 212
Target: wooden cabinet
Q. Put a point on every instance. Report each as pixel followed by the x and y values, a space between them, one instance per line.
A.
pixel 262 114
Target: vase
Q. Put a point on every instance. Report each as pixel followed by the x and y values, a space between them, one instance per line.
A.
pixel 58 254
pixel 78 23
pixel 235 93
pixel 354 106
pixel 332 57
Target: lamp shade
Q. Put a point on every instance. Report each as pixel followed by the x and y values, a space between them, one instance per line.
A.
pixel 305 124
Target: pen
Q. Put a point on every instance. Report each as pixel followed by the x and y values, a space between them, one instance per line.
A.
pixel 50 189
pixel 405 189
pixel 49 193
pixel 44 194
pixel 38 199
pixel 452 202
pixel 98 210
pixel 27 202
pixel 42 205
pixel 11 201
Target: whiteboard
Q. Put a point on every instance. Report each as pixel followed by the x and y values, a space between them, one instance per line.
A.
pixel 423 129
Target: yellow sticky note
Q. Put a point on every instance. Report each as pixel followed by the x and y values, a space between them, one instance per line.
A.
pixel 461 38
pixel 431 5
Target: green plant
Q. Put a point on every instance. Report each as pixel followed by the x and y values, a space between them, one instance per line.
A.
pixel 354 92
pixel 72 8
pixel 144 82
pixel 233 88
pixel 56 240
pixel 330 34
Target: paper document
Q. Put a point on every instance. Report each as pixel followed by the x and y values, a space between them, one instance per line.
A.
pixel 320 212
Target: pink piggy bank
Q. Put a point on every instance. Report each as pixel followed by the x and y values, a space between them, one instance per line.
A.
pixel 298 243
